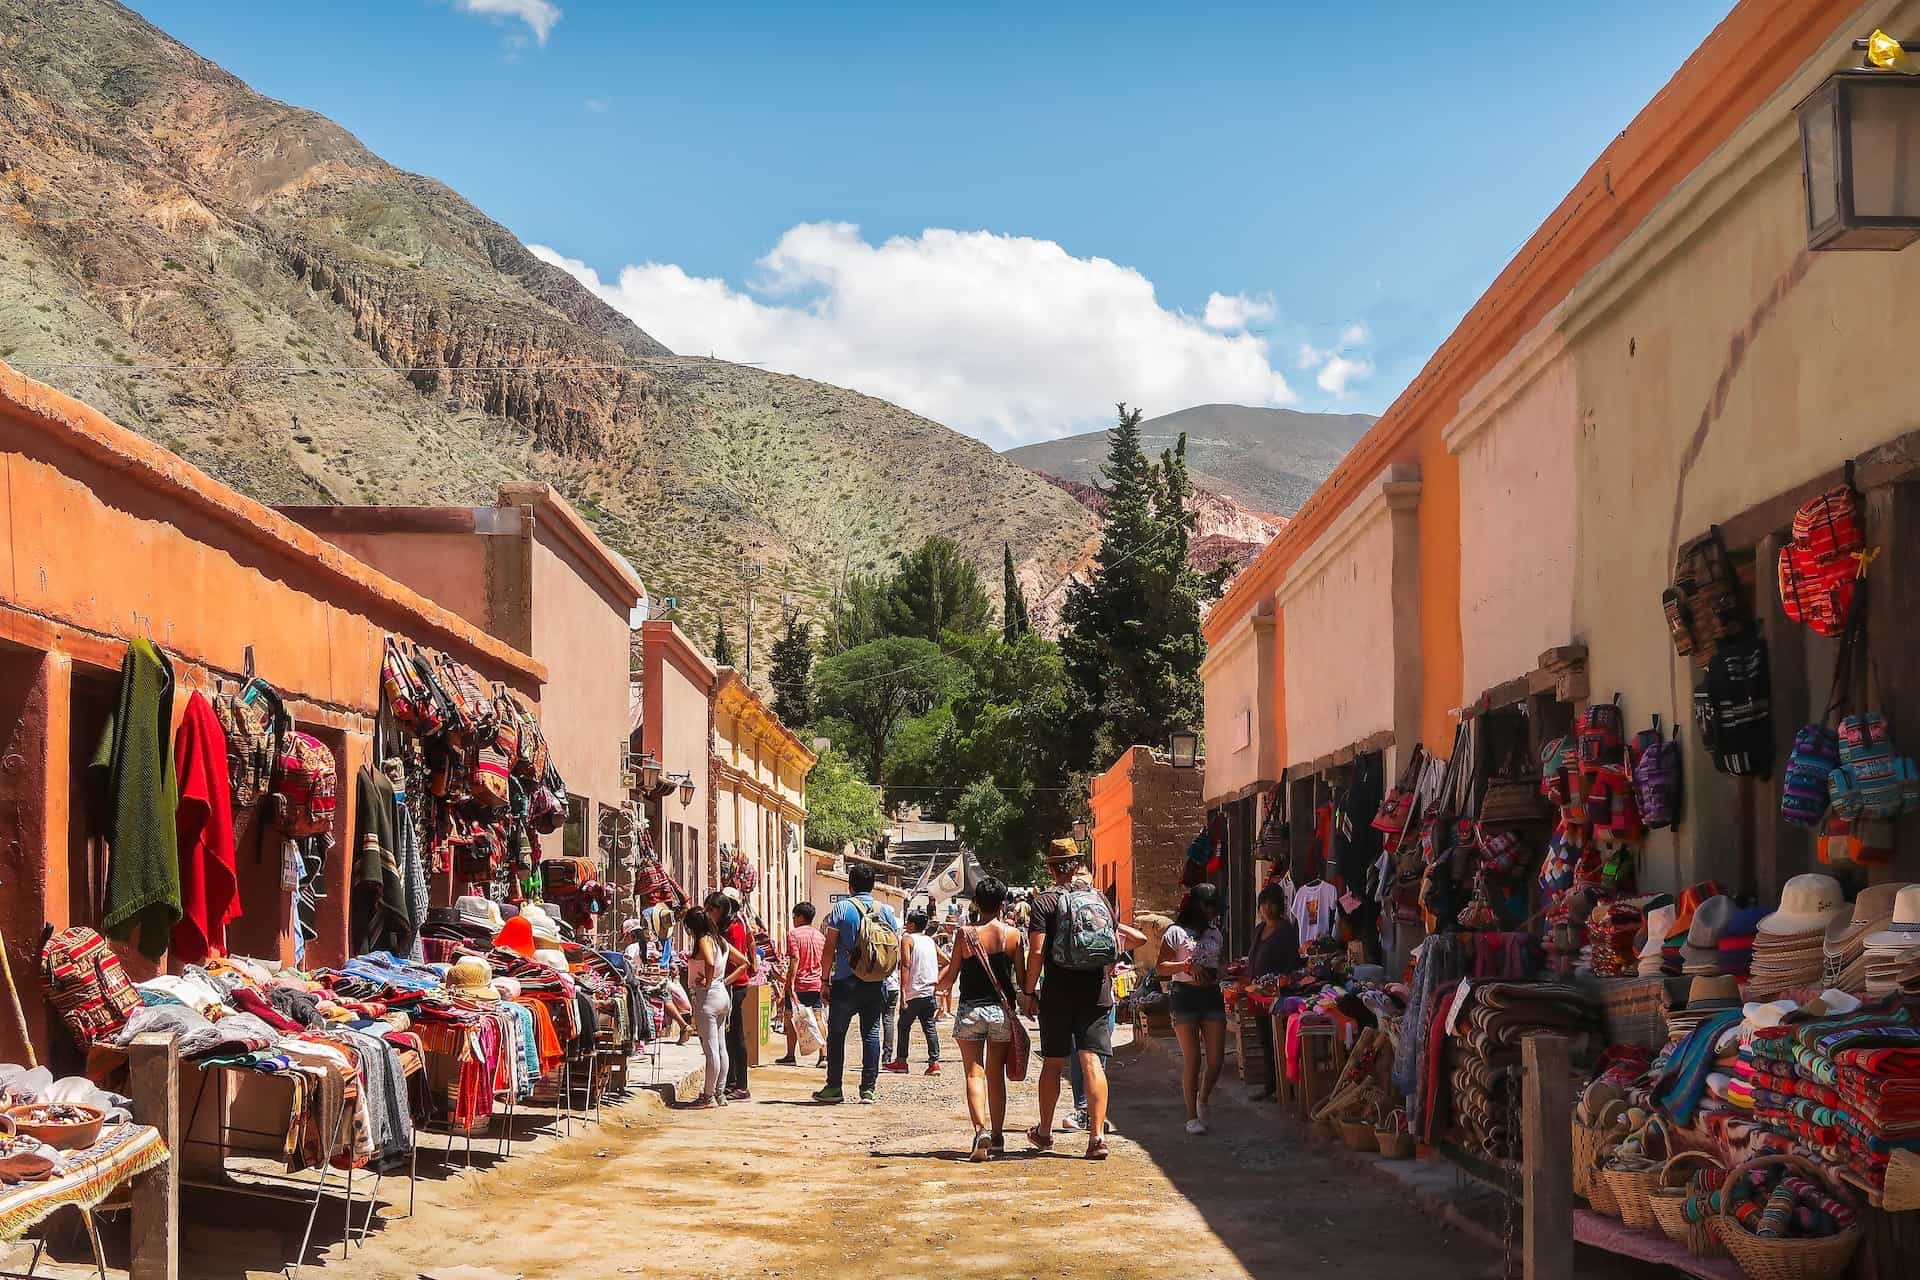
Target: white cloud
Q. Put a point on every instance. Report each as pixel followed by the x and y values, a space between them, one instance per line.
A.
pixel 1341 372
pixel 1007 338
pixel 598 105
pixel 1235 310
pixel 539 15
pixel 1355 334
pixel 1309 356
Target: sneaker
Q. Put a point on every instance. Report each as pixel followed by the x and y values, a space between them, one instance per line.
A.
pixel 1196 1127
pixel 869 1096
pixel 786 1062
pixel 1073 1122
pixel 739 1095
pixel 831 1093
pixel 1000 1142
pixel 896 1068
pixel 933 1069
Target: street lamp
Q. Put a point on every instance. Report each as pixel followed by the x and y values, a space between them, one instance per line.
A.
pixel 1080 832
pixel 686 790
pixel 649 774
pixel 1860 154
pixel 1184 746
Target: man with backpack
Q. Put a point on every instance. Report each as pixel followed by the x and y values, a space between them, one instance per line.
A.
pixel 1073 942
pixel 863 938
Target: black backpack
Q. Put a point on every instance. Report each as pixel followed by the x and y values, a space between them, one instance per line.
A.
pixel 1732 709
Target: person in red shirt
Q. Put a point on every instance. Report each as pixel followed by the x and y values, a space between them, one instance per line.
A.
pixel 805 952
pixel 723 908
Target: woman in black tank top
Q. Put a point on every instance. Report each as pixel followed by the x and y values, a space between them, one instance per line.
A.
pixel 990 953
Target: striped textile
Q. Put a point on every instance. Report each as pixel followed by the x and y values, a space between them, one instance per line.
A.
pixel 84 1178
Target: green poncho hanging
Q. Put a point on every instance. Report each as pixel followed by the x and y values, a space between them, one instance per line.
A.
pixel 134 784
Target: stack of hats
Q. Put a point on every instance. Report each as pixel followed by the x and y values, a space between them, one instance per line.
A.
pixel 1672 951
pixel 1659 929
pixel 1845 947
pixel 1737 938
pixel 1700 957
pixel 1892 950
pixel 1707 995
pixel 1789 947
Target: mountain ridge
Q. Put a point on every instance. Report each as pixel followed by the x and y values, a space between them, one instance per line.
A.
pixel 245 282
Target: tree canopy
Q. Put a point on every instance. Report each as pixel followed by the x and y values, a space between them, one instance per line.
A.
pixel 841 808
pixel 877 687
pixel 936 589
pixel 1014 621
pixel 792 677
pixel 722 645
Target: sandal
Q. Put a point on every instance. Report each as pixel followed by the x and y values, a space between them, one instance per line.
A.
pixel 1041 1141
pixel 982 1146
pixel 1097 1149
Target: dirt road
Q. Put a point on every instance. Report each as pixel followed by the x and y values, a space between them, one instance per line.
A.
pixel 785 1188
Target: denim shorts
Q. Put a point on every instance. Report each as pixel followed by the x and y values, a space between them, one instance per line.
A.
pixel 1191 1005
pixel 982 1022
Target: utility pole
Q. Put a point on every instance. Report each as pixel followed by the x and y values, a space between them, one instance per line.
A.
pixel 753 576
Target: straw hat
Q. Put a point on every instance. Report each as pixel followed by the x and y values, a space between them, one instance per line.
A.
pixel 1902 933
pixel 509 988
pixel 1807 903
pixel 1713 993
pixel 472 977
pixel 1063 850
pixel 545 932
pixel 479 912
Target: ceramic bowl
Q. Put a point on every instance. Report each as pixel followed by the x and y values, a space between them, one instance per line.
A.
pixel 63 1135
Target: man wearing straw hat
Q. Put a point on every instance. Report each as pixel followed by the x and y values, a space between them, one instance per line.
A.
pixel 1074 1004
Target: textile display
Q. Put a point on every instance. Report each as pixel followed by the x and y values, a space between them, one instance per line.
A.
pixel 132 775
pixel 203 835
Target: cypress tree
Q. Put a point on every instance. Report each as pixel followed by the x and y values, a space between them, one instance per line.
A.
pixel 792 678
pixel 722 645
pixel 1014 621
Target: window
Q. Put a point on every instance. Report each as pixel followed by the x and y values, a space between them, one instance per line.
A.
pixel 676 855
pixel 699 869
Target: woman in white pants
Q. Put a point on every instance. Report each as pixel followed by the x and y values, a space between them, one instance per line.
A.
pixel 712 962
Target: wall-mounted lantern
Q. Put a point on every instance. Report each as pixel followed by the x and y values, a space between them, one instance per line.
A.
pixel 686 790
pixel 1860 152
pixel 1184 746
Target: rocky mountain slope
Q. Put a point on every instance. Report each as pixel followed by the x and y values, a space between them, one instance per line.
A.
pixel 245 282
pixel 1266 459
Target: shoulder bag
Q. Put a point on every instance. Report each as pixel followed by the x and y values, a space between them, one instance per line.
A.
pixel 1020 1046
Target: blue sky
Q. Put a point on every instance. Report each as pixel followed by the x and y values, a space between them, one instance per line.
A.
pixel 758 179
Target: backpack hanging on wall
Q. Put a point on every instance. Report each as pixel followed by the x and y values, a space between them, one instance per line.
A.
pixel 305 789
pixel 1803 789
pixel 1733 709
pixel 252 717
pixel 1656 776
pixel 1703 604
pixel 1873 781
pixel 1601 735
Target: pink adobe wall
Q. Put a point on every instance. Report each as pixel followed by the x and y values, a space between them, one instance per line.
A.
pixel 1238 674
pixel 1339 663
pixel 448 568
pixel 1517 569
pixel 582 635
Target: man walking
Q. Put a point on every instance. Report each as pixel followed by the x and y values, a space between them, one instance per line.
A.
pixel 919 979
pixel 1072 943
pixel 806 947
pixel 864 940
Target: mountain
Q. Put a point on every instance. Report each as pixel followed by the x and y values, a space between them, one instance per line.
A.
pixel 244 282
pixel 1266 459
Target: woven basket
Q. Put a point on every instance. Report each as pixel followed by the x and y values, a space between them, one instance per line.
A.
pixel 1358 1135
pixel 1786 1259
pixel 1589 1140
pixel 1902 1191
pixel 1391 1136
pixel 1669 1204
pixel 1599 1193
pixel 1632 1186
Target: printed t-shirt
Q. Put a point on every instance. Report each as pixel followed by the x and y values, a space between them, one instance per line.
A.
pixel 1204 951
pixel 1314 910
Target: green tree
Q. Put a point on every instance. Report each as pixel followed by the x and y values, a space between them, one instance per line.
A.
pixel 1131 633
pixel 857 613
pixel 1014 621
pixel 792 677
pixel 842 808
pixel 879 686
pixel 935 590
pixel 722 644
pixel 991 825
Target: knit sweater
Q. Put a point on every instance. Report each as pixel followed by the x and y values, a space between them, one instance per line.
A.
pixel 136 798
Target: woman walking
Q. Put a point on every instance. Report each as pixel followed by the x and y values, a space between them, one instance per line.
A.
pixel 1190 960
pixel 989 962
pixel 711 963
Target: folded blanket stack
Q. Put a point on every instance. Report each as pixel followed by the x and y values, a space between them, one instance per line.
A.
pixel 1846 1090
pixel 1485 1053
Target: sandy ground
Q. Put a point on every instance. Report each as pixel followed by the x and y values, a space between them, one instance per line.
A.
pixel 785 1188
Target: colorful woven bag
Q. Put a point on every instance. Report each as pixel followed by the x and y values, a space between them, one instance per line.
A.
pixel 1803 792
pixel 305 789
pixel 87 985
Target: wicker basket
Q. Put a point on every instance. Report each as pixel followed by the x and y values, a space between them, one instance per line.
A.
pixel 1391 1136
pixel 1786 1259
pixel 1902 1191
pixel 1669 1204
pixel 1631 1186
pixel 1358 1135
pixel 1599 1193
pixel 1588 1142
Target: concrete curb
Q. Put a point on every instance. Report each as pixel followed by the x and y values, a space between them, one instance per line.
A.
pixel 1427 1180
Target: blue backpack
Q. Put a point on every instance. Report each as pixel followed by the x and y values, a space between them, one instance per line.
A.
pixel 1083 934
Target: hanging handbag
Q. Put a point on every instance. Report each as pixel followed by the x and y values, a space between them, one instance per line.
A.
pixel 1019 1043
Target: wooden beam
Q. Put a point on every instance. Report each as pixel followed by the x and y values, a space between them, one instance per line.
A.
pixel 1896 461
pixel 1892 686
pixel 1547 1118
pixel 154 1075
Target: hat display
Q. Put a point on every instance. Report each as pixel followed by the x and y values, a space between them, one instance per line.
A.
pixel 1660 923
pixel 546 933
pixel 1806 905
pixel 516 935
pixel 481 912
pixel 472 978
pixel 552 957
pixel 1892 949
pixel 1845 944
pixel 1701 954
pixel 1713 994
pixel 1063 850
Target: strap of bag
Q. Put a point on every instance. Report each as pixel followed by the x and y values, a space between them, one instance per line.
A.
pixel 986 962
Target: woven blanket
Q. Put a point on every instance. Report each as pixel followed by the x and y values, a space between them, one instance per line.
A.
pixel 83 1178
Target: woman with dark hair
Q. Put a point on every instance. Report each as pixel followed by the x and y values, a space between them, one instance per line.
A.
pixel 711 962
pixel 989 962
pixel 1190 960
pixel 724 909
pixel 1275 950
